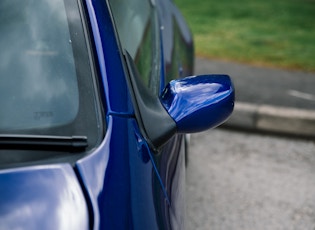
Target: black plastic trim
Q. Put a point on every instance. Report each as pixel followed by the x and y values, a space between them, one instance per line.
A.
pixel 57 143
pixel 155 123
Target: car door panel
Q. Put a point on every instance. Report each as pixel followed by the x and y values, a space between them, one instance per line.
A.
pixel 170 158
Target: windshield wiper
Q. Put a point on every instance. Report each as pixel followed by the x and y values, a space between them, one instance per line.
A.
pixel 43 142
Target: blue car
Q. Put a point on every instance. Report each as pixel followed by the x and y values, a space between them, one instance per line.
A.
pixel 96 98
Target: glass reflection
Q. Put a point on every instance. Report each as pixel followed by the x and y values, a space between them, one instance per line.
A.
pixel 38 84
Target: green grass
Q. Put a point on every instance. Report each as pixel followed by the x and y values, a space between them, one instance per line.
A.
pixel 278 33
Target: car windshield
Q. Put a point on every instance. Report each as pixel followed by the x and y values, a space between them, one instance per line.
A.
pixel 46 81
pixel 38 83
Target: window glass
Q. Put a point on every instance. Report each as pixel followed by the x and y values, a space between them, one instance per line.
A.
pixel 137 28
pixel 38 84
pixel 47 86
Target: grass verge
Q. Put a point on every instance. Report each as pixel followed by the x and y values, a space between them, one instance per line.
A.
pixel 263 32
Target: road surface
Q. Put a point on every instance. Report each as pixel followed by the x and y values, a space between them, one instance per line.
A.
pixel 245 181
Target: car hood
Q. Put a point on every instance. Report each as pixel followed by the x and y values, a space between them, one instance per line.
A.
pixel 42 197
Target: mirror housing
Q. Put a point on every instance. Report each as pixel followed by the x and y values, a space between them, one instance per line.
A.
pixel 199 102
pixel 187 105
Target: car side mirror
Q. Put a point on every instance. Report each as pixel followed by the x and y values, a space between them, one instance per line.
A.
pixel 200 102
pixel 192 104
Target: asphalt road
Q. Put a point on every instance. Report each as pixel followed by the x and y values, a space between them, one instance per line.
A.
pixel 259 85
pixel 248 181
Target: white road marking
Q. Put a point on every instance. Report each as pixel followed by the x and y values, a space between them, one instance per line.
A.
pixel 302 95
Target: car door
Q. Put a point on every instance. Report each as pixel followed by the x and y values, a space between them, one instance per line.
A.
pixel 164 112
pixel 139 32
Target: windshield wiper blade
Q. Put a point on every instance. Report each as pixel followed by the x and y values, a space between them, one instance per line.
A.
pixel 43 142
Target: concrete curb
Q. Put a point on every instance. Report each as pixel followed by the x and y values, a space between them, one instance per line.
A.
pixel 282 120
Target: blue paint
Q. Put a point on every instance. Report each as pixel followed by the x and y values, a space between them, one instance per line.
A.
pixel 42 197
pixel 200 102
pixel 118 178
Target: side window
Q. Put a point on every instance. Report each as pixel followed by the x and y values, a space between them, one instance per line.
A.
pixel 137 27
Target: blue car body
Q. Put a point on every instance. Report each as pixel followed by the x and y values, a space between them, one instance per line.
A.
pixel 133 177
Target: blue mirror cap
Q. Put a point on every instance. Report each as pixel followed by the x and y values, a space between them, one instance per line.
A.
pixel 199 102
